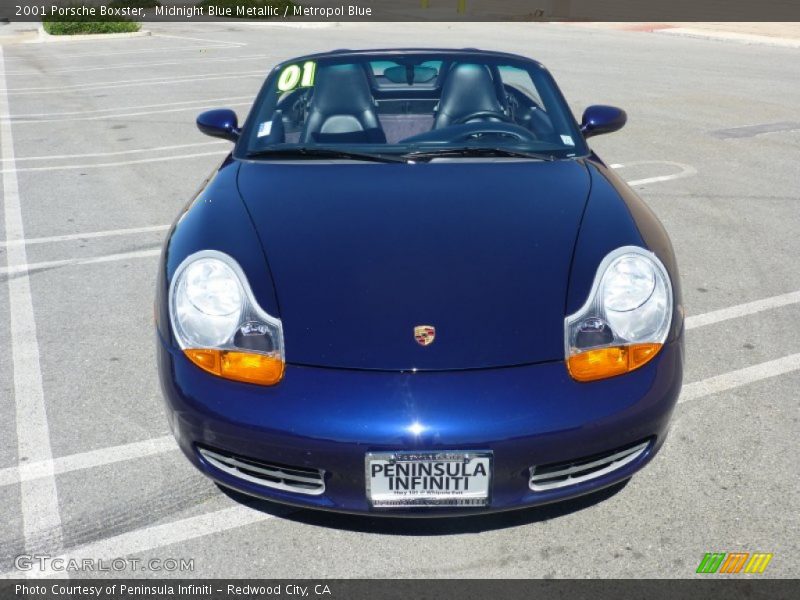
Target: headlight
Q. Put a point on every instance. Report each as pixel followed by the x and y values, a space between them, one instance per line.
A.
pixel 625 320
pixel 218 323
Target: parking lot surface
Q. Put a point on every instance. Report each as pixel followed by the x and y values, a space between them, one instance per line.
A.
pixel 100 152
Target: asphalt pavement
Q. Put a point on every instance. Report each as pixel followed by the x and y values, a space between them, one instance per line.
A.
pixel 100 152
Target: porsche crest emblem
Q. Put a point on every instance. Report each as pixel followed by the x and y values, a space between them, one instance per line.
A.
pixel 424 334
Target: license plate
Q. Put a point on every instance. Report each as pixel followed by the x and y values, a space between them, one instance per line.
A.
pixel 450 478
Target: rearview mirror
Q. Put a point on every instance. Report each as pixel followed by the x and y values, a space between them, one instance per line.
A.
pixel 220 122
pixel 599 119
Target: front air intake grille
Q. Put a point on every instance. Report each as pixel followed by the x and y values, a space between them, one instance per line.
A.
pixel 301 480
pixel 548 477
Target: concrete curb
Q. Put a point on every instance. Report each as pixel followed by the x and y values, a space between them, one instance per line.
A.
pixel 46 38
pixel 725 36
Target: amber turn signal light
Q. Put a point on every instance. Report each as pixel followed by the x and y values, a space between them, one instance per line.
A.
pixel 249 367
pixel 601 363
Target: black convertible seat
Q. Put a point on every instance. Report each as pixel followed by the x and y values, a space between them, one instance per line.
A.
pixel 468 89
pixel 342 108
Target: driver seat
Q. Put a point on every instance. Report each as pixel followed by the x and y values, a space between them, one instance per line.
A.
pixel 342 108
pixel 468 89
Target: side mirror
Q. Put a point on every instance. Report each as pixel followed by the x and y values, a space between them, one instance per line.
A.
pixel 220 122
pixel 599 119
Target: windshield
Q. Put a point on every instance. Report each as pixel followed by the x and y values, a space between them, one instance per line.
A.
pixel 411 104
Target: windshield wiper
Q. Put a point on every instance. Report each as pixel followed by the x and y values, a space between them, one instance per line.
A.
pixel 469 151
pixel 312 152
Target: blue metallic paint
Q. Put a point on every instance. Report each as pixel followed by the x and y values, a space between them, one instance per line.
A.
pixel 220 122
pixel 215 219
pixel 329 418
pixel 599 119
pixel 615 216
pixel 481 250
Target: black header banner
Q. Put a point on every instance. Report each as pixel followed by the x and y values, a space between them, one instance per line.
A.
pixel 379 589
pixel 404 10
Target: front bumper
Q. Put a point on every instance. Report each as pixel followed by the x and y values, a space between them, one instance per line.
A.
pixel 328 419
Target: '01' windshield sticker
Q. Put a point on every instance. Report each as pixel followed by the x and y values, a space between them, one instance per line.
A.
pixel 295 76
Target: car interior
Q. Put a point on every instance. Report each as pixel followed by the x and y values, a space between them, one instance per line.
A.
pixel 390 102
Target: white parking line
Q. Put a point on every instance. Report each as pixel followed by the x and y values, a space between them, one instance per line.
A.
pixel 38 266
pixel 41 519
pixel 83 87
pixel 219 153
pixel 647 180
pixel 119 152
pixel 740 377
pixel 116 109
pixel 112 116
pixel 85 236
pixel 140 65
pixel 86 460
pixel 149 538
pixel 115 83
pixel 164 49
pixel 685 171
pixel 748 308
pixel 197 39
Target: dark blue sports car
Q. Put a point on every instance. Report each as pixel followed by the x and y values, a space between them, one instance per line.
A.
pixel 412 289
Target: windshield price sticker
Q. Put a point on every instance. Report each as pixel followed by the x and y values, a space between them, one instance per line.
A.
pixel 295 76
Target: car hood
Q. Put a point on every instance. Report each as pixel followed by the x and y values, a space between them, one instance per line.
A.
pixel 362 253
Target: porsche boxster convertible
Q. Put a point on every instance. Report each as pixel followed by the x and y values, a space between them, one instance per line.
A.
pixel 412 289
